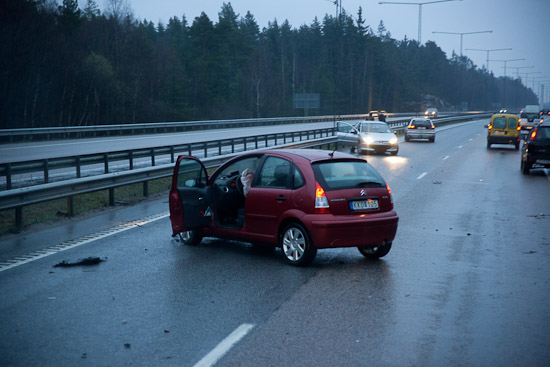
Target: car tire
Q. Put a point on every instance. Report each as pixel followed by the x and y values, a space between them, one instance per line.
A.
pixel 395 152
pixel 516 146
pixel 407 138
pixel 375 252
pixel 296 245
pixel 488 145
pixel 525 167
pixel 432 139
pixel 190 238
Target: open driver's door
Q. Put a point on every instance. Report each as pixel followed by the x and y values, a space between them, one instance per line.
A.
pixel 189 197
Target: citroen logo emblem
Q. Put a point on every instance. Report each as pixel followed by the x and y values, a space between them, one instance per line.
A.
pixel 363 193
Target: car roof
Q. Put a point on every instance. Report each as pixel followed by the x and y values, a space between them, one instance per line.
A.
pixel 504 115
pixel 313 155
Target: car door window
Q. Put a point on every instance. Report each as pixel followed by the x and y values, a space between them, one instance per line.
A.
pixel 512 123
pixel 191 174
pixel 275 173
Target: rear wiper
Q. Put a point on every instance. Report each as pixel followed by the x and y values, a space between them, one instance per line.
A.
pixel 369 183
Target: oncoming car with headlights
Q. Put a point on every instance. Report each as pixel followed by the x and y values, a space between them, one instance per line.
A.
pixel 300 200
pixel 367 136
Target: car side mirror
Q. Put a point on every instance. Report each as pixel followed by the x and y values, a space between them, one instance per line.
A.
pixel 486 126
pixel 190 183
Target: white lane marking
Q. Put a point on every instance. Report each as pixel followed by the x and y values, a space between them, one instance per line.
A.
pixel 460 146
pixel 225 345
pixel 447 156
pixel 12 263
pixel 422 175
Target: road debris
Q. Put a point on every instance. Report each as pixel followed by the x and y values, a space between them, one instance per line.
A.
pixel 84 262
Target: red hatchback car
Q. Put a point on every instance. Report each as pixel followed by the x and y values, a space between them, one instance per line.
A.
pixel 301 200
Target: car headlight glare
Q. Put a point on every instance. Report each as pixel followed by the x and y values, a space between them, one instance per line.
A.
pixel 393 140
pixel 368 139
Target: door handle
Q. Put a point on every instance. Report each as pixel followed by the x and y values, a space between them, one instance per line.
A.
pixel 280 198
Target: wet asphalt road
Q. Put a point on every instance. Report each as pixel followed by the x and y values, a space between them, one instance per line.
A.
pixel 467 282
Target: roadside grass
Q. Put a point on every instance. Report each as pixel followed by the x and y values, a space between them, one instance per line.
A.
pixel 55 210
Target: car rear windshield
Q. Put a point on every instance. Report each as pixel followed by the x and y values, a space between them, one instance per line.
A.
pixel 499 123
pixel 543 133
pixel 336 175
pixel 422 123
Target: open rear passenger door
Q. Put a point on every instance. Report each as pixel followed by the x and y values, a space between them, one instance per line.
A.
pixel 189 197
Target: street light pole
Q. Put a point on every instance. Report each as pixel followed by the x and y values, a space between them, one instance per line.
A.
pixel 462 36
pixel 419 11
pixel 506 61
pixel 520 67
pixel 491 50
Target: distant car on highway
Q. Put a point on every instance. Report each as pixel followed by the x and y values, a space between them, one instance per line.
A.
pixel 431 112
pixel 367 136
pixel 535 152
pixel 528 120
pixel 420 128
pixel 503 129
pixel 300 200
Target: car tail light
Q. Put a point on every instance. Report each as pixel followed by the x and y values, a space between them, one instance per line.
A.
pixel 391 197
pixel 412 127
pixel 518 128
pixel 490 126
pixel 321 201
pixel 432 127
pixel 533 134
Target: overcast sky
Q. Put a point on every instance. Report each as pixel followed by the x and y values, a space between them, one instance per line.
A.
pixel 523 25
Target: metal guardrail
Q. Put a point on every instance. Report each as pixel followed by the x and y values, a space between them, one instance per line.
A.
pixel 202 149
pixel 26 134
pixel 156 127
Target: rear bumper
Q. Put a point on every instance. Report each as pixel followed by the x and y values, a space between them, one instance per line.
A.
pixel 334 231
pixel 497 139
pixel 422 134
pixel 538 160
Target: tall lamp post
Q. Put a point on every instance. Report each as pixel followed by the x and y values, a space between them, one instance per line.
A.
pixel 506 61
pixel 462 36
pixel 419 11
pixel 485 50
pixel 520 67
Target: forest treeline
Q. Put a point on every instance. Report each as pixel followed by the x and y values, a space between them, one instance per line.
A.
pixel 65 65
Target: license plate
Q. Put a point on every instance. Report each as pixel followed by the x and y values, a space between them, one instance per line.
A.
pixel 364 204
pixel 421 128
pixel 543 161
pixel 499 133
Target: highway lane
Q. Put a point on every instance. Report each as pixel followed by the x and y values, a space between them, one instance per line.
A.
pixel 467 282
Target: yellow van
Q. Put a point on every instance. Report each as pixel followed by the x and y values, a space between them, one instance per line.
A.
pixel 503 129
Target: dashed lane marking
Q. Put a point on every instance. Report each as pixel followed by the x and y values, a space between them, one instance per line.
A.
pixel 39 254
pixel 225 345
pixel 422 175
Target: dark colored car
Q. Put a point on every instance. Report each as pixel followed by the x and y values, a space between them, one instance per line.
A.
pixel 300 200
pixel 535 152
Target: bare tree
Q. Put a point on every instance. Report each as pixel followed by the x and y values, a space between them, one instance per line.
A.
pixel 119 9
